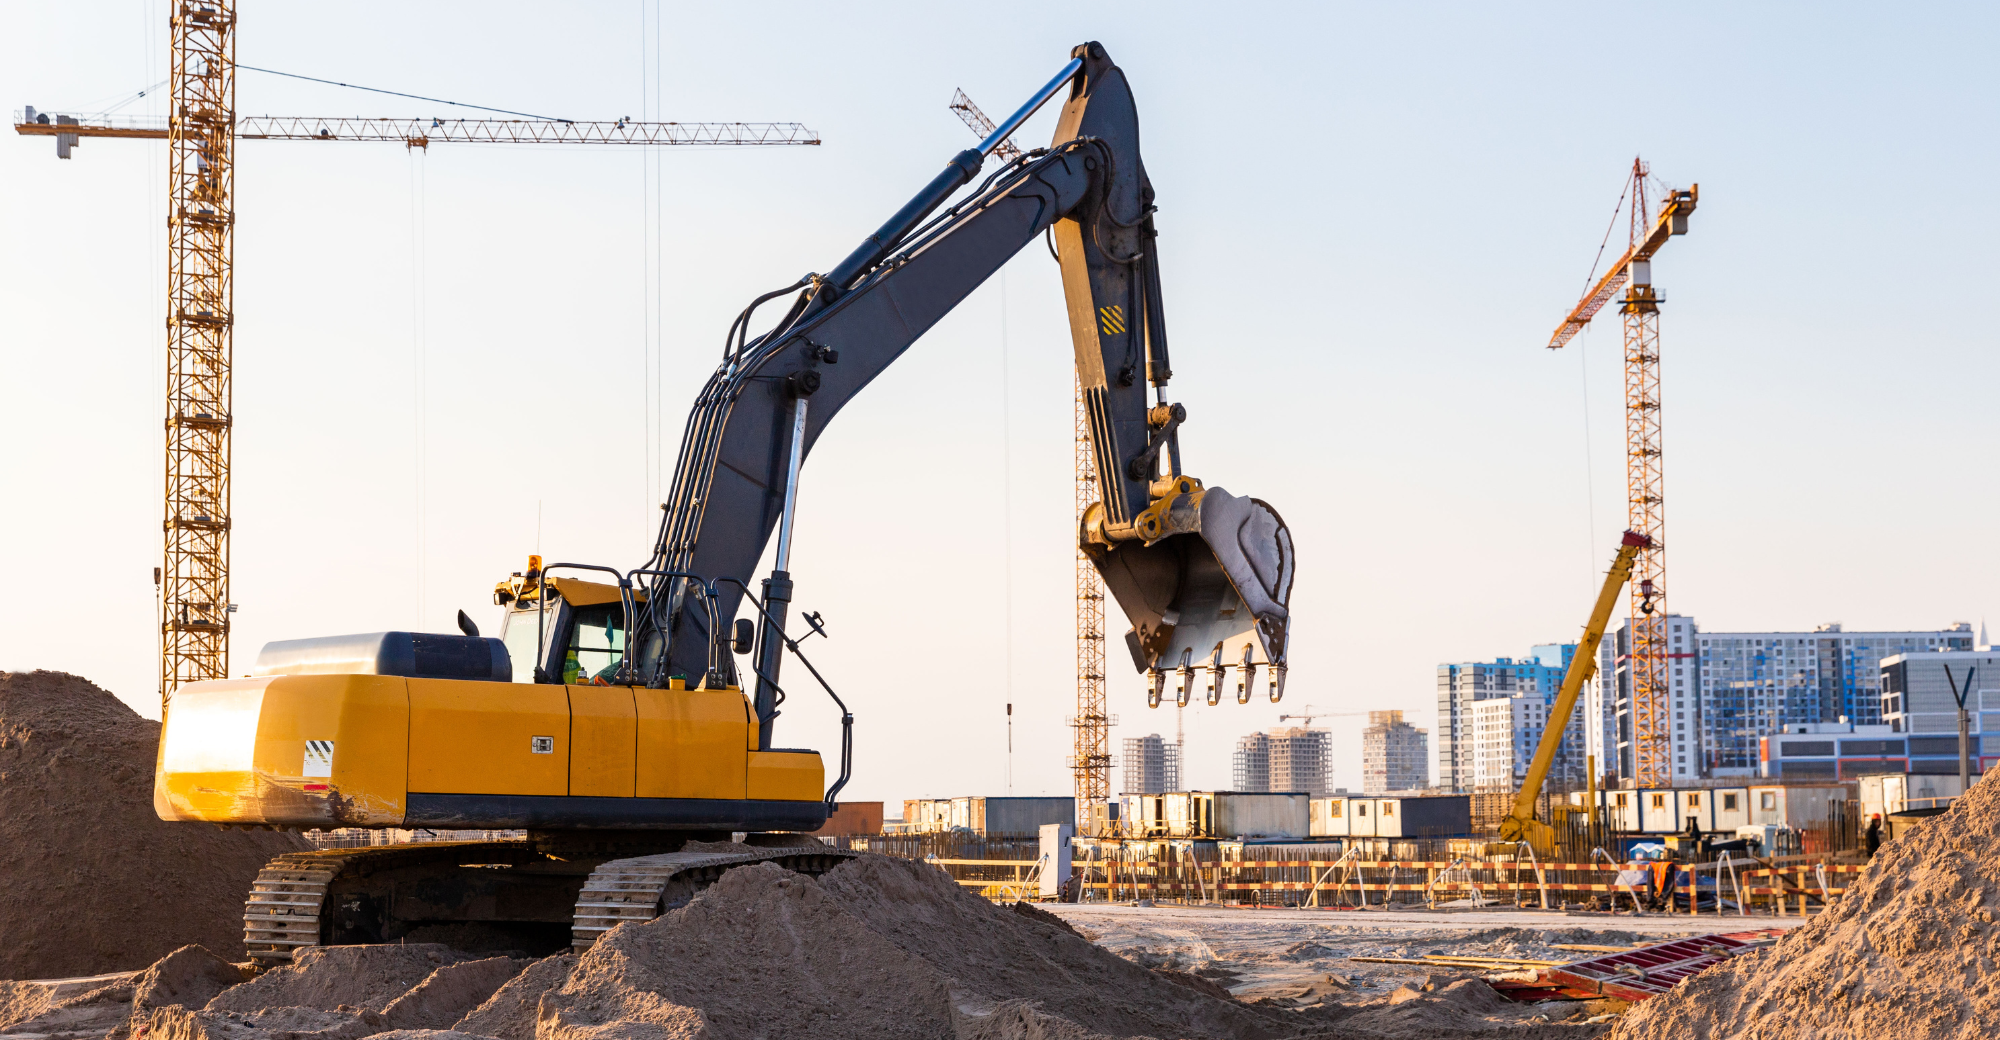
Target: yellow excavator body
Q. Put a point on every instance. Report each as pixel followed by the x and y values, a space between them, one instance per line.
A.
pixel 388 751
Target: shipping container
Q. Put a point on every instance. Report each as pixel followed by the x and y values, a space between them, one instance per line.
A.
pixel 1430 816
pixel 1237 814
pixel 1797 806
pixel 1020 818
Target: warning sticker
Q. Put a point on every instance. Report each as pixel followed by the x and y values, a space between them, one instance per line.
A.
pixel 542 745
pixel 319 758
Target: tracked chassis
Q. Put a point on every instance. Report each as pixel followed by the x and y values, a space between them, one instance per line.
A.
pixel 503 895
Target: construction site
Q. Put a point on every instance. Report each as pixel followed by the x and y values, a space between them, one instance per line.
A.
pixel 623 790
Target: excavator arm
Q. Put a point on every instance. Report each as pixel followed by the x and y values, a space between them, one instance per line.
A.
pixel 1204 576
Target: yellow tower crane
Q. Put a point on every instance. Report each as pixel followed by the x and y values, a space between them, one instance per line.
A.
pixel 1649 655
pixel 201 130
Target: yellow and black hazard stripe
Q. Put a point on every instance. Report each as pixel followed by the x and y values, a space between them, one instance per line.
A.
pixel 1111 319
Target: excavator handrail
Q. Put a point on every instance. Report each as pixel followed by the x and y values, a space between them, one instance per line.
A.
pixel 846 716
pixel 652 611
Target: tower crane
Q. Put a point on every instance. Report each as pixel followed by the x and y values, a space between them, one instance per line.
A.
pixel 201 131
pixel 1308 715
pixel 1090 727
pixel 1648 656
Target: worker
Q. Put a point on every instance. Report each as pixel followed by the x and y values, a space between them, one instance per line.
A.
pixel 1664 871
pixel 1695 839
pixel 1872 840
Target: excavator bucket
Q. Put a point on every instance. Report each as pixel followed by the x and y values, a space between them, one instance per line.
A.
pixel 1210 593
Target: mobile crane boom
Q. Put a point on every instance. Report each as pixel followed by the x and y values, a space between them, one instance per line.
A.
pixel 1520 824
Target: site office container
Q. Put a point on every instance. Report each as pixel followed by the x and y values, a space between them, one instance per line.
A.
pixel 1341 816
pixel 1619 809
pixel 1145 815
pixel 925 815
pixel 1714 808
pixel 1012 819
pixel 1728 809
pixel 1237 814
pixel 997 818
pixel 1797 805
pixel 1892 793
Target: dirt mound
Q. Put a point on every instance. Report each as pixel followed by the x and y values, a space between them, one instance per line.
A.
pixel 509 1014
pixel 763 952
pixel 877 949
pixel 332 978
pixel 1003 956
pixel 283 1023
pixel 95 881
pixel 450 992
pixel 189 977
pixel 1908 952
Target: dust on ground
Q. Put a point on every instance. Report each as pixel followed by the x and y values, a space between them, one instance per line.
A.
pixel 1304 955
pixel 878 948
pixel 96 882
pixel 1910 951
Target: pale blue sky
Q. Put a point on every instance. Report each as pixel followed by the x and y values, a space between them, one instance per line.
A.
pixel 1371 217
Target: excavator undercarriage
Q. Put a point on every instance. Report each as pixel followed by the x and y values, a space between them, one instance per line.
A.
pixel 496 896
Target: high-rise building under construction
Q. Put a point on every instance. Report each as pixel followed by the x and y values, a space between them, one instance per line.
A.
pixel 1395 755
pixel 1152 765
pixel 1285 758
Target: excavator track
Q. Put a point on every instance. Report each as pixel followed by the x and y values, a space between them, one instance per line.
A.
pixel 642 888
pixel 516 897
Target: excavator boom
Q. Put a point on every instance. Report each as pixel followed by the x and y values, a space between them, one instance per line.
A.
pixel 1204 576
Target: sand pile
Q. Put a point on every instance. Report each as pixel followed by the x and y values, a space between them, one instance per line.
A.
pixel 104 1005
pixel 1910 951
pixel 877 948
pixel 408 992
pixel 96 882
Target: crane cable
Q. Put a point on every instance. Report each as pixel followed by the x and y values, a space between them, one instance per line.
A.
pixel 398 93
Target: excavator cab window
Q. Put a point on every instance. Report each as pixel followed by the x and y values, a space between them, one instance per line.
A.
pixel 596 643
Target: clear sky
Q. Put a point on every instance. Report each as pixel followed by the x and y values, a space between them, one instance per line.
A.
pixel 1371 218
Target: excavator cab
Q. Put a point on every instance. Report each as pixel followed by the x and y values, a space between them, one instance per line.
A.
pixel 581 638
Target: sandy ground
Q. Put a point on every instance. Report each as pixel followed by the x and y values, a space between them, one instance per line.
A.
pixel 1252 952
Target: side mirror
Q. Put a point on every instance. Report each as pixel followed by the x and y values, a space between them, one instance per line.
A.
pixel 746 636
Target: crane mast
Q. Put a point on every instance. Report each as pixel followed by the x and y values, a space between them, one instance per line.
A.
pixel 201 223
pixel 201 131
pixel 1649 657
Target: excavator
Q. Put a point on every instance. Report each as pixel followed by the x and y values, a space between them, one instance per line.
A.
pixel 624 719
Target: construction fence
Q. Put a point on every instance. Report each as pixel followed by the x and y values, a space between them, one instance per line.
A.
pixel 1197 873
